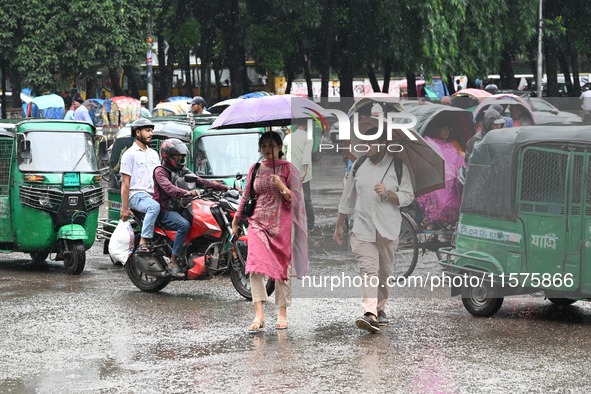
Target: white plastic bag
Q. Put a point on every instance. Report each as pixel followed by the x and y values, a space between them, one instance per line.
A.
pixel 122 242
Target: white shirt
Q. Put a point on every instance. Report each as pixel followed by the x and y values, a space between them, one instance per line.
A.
pixel 140 166
pixel 298 151
pixel 586 97
pixel 371 213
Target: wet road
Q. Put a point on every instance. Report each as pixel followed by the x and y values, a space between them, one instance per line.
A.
pixel 96 333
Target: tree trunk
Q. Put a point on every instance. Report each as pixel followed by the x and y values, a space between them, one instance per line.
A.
pixel 218 84
pixel 91 86
pixel 289 81
pixel 507 75
pixel 325 61
pixel 574 59
pixel 244 71
pixel 562 58
pixel 231 32
pixel 188 78
pixel 551 69
pixel 387 74
pixel 345 71
pixel 372 78
pixel 114 76
pixel 163 83
pixel 15 82
pixel 305 65
pixel 450 85
pixel 411 84
pixel 4 103
pixel 132 81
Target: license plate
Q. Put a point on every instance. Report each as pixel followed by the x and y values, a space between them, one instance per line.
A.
pixel 71 179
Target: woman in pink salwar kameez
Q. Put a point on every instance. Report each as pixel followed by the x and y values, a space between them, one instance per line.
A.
pixel 279 217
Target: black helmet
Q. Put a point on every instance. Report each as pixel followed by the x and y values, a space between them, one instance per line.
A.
pixel 140 124
pixel 170 147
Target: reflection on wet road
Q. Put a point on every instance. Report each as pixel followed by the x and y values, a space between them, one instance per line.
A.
pixel 97 333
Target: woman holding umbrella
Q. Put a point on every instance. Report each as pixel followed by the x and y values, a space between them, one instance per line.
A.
pixel 271 251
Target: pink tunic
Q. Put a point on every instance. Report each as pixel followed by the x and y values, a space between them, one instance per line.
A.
pixel 270 226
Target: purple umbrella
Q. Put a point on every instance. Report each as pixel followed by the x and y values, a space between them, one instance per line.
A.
pixel 264 112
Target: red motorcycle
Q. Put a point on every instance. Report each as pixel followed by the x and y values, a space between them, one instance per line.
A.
pixel 210 248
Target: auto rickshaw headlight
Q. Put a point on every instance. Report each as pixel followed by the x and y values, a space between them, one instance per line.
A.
pixel 44 201
pixel 95 200
pixel 34 178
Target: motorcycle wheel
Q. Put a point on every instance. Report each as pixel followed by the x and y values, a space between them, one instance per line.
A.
pixel 241 282
pixel 142 281
pixel 74 257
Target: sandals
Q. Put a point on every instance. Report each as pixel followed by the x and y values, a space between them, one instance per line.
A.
pixel 175 272
pixel 282 323
pixel 256 321
pixel 143 248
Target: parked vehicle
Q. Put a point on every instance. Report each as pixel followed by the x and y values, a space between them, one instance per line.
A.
pixel 525 223
pixel 209 248
pixel 49 190
pixel 547 113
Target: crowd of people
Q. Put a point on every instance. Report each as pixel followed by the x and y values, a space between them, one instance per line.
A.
pixel 377 186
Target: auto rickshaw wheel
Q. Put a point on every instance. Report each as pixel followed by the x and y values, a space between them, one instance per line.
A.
pixel 39 257
pixel 479 300
pixel 74 257
pixel 562 301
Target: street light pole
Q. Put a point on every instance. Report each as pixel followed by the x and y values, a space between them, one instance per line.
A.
pixel 539 76
pixel 149 75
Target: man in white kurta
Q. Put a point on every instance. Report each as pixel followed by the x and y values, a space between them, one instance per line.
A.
pixel 375 196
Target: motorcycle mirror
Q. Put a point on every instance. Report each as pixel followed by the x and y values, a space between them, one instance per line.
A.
pixel 25 150
pixel 238 176
pixel 191 178
pixel 103 152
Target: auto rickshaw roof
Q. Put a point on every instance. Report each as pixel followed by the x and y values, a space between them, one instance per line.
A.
pixel 490 186
pixel 430 116
pixel 175 126
pixel 54 125
pixel 7 130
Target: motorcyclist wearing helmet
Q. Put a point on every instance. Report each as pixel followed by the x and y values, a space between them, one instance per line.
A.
pixel 170 187
pixel 137 185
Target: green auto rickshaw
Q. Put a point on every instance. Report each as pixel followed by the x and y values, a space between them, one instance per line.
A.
pixel 49 190
pixel 525 221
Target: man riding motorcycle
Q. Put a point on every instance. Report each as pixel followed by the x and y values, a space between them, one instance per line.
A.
pixel 168 190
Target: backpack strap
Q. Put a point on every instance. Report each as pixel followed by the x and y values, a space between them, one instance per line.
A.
pixel 358 164
pixel 398 169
